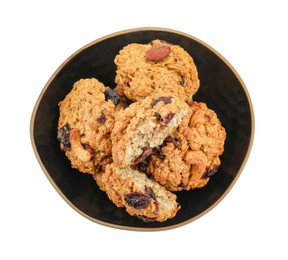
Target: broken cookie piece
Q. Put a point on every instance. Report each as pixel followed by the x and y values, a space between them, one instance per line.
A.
pixel 143 126
pixel 191 155
pixel 140 196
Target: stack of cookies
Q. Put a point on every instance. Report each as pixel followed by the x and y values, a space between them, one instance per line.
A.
pixel 147 137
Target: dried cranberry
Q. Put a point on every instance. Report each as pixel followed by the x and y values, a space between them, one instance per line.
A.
pixel 172 140
pixel 165 120
pixel 166 100
pixel 137 200
pixel 112 95
pixel 156 207
pixel 101 119
pixel 146 152
pixel 158 152
pixel 88 148
pixel 63 136
pixel 145 218
pixel 143 166
pixel 210 172
pixel 158 116
pixel 150 192
pixel 152 195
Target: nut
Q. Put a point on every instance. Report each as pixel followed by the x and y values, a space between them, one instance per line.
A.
pixel 158 52
pixel 199 160
pixel 76 146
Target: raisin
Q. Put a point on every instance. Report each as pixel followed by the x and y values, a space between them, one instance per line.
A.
pixel 112 95
pixel 165 120
pixel 210 172
pixel 63 136
pixel 166 100
pixel 137 200
pixel 146 152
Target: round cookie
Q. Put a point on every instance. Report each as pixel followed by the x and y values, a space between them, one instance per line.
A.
pixel 141 197
pixel 145 68
pixel 190 155
pixel 85 123
pixel 143 126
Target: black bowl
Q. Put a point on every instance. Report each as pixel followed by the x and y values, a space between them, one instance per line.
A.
pixel 221 88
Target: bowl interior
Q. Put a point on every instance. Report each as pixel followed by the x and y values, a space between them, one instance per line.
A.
pixel 220 87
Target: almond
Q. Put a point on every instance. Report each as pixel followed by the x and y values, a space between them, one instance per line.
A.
pixel 158 52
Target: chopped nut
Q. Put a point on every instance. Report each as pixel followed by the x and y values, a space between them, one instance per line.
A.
pixel 76 146
pixel 158 52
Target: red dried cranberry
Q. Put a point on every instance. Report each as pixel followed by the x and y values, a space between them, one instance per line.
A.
pixel 143 166
pixel 146 219
pixel 137 200
pixel 101 119
pixel 165 120
pixel 156 207
pixel 63 136
pixel 150 192
pixel 88 148
pixel 146 152
pixel 152 195
pixel 210 172
pixel 172 140
pixel 166 100
pixel 158 152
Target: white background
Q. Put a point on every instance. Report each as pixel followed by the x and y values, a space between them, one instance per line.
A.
pixel 250 223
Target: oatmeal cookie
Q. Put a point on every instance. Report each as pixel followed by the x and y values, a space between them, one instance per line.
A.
pixel 85 123
pixel 190 155
pixel 144 125
pixel 145 68
pixel 140 196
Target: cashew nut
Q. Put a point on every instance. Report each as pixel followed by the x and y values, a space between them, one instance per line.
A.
pixel 77 147
pixel 199 161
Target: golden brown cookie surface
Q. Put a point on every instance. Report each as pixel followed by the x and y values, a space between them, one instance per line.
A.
pixel 190 156
pixel 158 66
pixel 140 196
pixel 85 123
